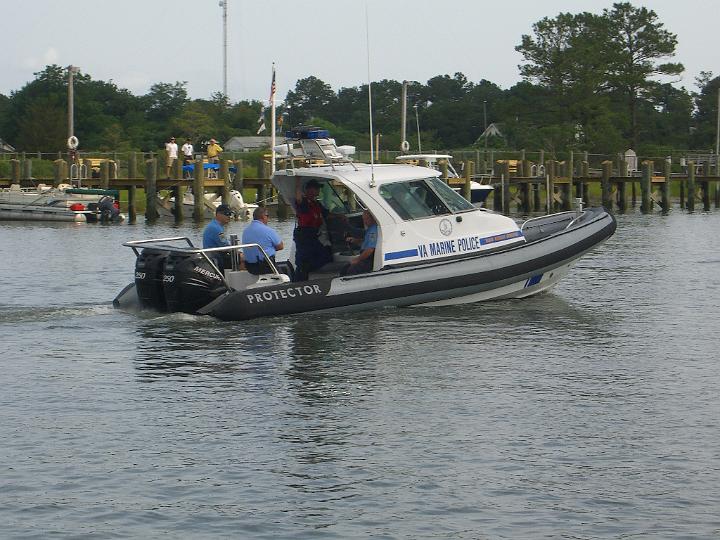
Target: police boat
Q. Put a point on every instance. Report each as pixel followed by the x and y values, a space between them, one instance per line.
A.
pixel 433 247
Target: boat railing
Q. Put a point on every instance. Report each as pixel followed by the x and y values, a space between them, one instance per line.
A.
pixel 530 221
pixel 191 249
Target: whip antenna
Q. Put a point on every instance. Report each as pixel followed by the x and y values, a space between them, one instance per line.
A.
pixel 367 46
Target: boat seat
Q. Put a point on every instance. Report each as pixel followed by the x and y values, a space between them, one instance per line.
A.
pixel 240 279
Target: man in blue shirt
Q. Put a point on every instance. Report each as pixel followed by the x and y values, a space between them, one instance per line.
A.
pixel 214 233
pixel 363 263
pixel 258 232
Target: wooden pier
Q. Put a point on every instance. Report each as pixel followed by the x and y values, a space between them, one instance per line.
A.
pixel 522 186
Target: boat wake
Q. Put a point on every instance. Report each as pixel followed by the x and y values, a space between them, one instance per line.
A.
pixel 27 314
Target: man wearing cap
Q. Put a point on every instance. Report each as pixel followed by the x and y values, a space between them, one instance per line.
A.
pixel 214 233
pixel 213 151
pixel 310 253
pixel 367 239
pixel 258 232
pixel 171 151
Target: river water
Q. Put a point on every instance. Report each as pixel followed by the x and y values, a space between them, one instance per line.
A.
pixel 589 412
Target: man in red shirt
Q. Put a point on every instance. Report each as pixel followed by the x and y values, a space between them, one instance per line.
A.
pixel 310 253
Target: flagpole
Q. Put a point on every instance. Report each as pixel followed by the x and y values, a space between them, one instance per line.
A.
pixel 272 120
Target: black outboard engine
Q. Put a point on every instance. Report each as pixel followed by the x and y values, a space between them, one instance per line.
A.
pixel 108 210
pixel 149 268
pixel 190 282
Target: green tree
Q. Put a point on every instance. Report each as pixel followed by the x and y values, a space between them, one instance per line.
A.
pixel 706 111
pixel 311 98
pixel 164 101
pixel 42 126
pixel 635 43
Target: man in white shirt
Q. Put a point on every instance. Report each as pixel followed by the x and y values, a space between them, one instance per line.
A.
pixel 171 149
pixel 187 150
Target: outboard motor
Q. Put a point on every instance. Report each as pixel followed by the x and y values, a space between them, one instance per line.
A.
pixel 149 268
pixel 108 210
pixel 190 282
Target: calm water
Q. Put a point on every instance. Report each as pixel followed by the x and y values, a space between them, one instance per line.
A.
pixel 590 412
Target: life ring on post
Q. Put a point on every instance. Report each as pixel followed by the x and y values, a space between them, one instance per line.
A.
pixel 72 142
pixel 405 146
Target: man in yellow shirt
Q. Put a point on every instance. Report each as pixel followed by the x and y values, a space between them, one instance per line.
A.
pixel 213 151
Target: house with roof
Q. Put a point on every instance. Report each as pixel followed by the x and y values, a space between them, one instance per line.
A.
pixel 5 148
pixel 250 143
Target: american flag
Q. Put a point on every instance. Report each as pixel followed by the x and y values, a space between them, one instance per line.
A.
pixel 273 87
pixel 261 121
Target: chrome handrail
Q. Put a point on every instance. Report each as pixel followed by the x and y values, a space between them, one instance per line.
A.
pixel 538 218
pixel 202 251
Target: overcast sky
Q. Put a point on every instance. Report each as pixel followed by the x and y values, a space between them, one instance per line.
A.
pixel 136 43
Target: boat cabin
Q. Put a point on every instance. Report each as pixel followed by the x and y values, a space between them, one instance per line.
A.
pixel 419 217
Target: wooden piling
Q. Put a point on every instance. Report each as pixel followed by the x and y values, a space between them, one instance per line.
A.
pixel 199 191
pixel 151 212
pixel 585 173
pixel 132 204
pixel 132 165
pixel 262 189
pixel 468 179
pixel 646 187
pixel 705 187
pixel 225 175
pixel 176 171
pixel 506 187
pixel 59 172
pixel 605 186
pixel 239 180
pixel 443 170
pixel 179 205
pixel 15 171
pixel 665 188
pixel 537 202
pixel 691 187
pixel 27 168
pixel 104 174
pixel 550 171
pixel 622 187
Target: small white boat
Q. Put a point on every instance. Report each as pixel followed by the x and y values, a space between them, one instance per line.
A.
pixel 478 191
pixel 61 203
pixel 433 248
pixel 242 210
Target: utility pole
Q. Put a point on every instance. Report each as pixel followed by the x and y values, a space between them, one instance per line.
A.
pixel 72 70
pixel 223 5
pixel 485 121
pixel 417 123
pixel 717 127
pixel 403 117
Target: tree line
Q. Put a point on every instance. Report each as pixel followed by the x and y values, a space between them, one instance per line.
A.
pixel 597 82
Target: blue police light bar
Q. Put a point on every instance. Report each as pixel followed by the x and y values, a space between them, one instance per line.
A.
pixel 307 133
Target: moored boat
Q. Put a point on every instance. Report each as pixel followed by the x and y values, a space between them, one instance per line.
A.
pixel 242 209
pixel 433 248
pixel 479 192
pixel 61 203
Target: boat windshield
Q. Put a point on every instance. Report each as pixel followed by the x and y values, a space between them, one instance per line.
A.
pixel 450 197
pixel 337 198
pixel 416 199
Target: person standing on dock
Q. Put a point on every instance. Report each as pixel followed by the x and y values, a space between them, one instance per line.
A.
pixel 187 150
pixel 171 151
pixel 260 233
pixel 213 151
